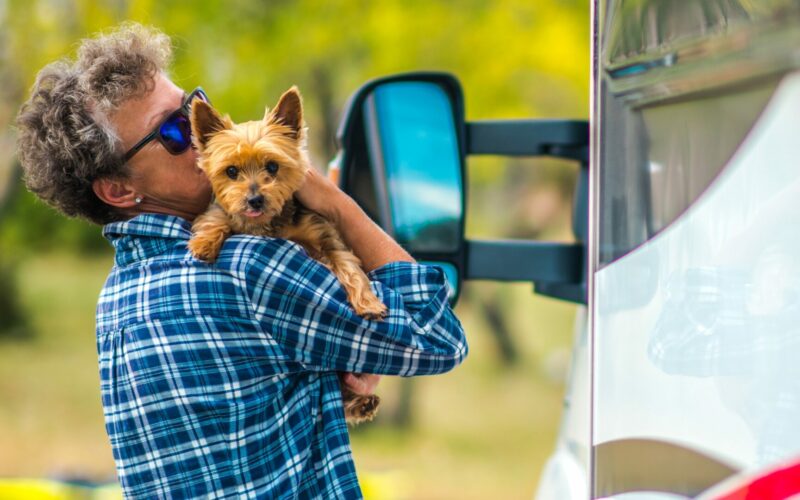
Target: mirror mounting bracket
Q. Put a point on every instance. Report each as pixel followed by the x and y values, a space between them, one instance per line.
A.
pixel 557 270
pixel 523 260
pixel 568 139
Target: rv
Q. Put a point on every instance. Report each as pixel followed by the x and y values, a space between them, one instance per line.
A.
pixel 685 374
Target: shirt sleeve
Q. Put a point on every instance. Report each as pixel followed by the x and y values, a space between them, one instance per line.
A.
pixel 301 304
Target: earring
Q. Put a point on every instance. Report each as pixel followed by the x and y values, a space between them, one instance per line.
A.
pixel 138 199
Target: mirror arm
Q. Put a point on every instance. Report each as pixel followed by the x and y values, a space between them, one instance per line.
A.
pixel 521 260
pixel 556 269
pixel 567 139
pixel 573 292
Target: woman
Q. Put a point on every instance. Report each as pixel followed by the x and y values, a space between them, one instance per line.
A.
pixel 217 380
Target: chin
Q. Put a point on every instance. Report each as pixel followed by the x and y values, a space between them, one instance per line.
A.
pixel 204 193
pixel 200 201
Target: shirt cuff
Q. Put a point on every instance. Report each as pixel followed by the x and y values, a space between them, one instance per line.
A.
pixel 410 278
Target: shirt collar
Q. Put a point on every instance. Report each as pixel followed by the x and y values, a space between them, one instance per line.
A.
pixel 146 236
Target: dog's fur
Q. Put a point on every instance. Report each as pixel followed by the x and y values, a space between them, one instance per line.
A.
pixel 255 168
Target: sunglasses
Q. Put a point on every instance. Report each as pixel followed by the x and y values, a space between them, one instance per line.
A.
pixel 175 131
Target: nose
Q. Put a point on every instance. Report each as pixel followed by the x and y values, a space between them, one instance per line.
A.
pixel 256 201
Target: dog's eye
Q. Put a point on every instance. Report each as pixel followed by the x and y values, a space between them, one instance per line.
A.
pixel 272 167
pixel 232 172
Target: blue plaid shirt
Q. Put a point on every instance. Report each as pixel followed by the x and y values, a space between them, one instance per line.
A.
pixel 219 380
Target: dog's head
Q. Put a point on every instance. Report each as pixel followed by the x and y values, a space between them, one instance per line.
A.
pixel 254 167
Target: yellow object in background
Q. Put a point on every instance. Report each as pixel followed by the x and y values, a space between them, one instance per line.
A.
pixel 388 485
pixel 45 489
pixel 375 486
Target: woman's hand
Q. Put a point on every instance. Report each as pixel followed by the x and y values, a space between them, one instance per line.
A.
pixel 321 195
pixel 362 384
pixel 368 241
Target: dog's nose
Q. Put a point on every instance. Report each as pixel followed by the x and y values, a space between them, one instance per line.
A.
pixel 256 202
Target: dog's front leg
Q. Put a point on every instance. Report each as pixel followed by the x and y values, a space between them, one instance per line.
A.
pixel 325 244
pixel 210 231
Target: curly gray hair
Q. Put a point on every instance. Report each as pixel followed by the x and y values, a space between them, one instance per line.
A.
pixel 65 140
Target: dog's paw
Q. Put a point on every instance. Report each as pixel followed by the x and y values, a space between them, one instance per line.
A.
pixel 362 409
pixel 372 308
pixel 203 250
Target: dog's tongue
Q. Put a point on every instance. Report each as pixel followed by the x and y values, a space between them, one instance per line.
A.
pixel 253 213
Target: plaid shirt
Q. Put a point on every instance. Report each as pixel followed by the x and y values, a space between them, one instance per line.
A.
pixel 220 380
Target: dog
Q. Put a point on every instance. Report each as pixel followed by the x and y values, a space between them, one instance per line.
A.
pixel 255 168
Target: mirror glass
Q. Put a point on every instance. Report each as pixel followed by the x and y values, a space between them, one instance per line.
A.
pixel 411 136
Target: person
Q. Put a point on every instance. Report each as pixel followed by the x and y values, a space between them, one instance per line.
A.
pixel 216 380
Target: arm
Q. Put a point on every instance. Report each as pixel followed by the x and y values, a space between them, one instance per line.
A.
pixel 368 241
pixel 301 305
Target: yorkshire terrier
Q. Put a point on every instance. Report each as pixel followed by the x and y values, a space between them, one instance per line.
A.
pixel 255 168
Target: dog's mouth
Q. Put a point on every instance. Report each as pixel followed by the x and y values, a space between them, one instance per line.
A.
pixel 252 213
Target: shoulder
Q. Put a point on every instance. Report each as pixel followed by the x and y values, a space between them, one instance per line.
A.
pixel 241 249
pixel 276 265
pixel 248 255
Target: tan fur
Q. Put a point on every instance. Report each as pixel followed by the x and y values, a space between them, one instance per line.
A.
pixel 249 147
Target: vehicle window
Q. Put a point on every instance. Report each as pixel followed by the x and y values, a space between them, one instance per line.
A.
pixel 638 27
pixel 658 160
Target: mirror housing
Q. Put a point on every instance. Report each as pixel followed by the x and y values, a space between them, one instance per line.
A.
pixel 379 139
pixel 401 157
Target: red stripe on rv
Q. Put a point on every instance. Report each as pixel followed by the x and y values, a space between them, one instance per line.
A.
pixel 779 484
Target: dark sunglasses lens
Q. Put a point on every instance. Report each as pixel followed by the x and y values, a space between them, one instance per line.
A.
pixel 176 133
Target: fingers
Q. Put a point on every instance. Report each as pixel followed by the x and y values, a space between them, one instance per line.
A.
pixel 321 195
pixel 313 189
pixel 361 383
pixel 354 383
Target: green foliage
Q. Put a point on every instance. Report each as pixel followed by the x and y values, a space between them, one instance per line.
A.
pixel 31 226
pixel 515 58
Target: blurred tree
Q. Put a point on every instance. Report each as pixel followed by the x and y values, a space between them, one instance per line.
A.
pixel 13 323
pixel 515 58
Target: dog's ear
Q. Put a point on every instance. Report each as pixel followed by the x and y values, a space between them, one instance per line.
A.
pixel 206 121
pixel 288 112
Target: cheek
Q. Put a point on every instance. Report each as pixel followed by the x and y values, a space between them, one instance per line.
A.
pixel 293 177
pixel 229 193
pixel 277 194
pixel 184 169
pixel 173 179
pixel 180 177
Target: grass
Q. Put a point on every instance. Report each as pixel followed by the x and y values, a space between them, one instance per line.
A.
pixel 51 412
pixel 481 431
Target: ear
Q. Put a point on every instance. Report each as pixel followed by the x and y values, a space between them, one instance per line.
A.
pixel 116 193
pixel 288 112
pixel 206 121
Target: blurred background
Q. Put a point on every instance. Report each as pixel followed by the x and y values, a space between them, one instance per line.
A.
pixel 481 431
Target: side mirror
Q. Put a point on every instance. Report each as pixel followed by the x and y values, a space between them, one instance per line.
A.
pixel 402 160
pixel 403 143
